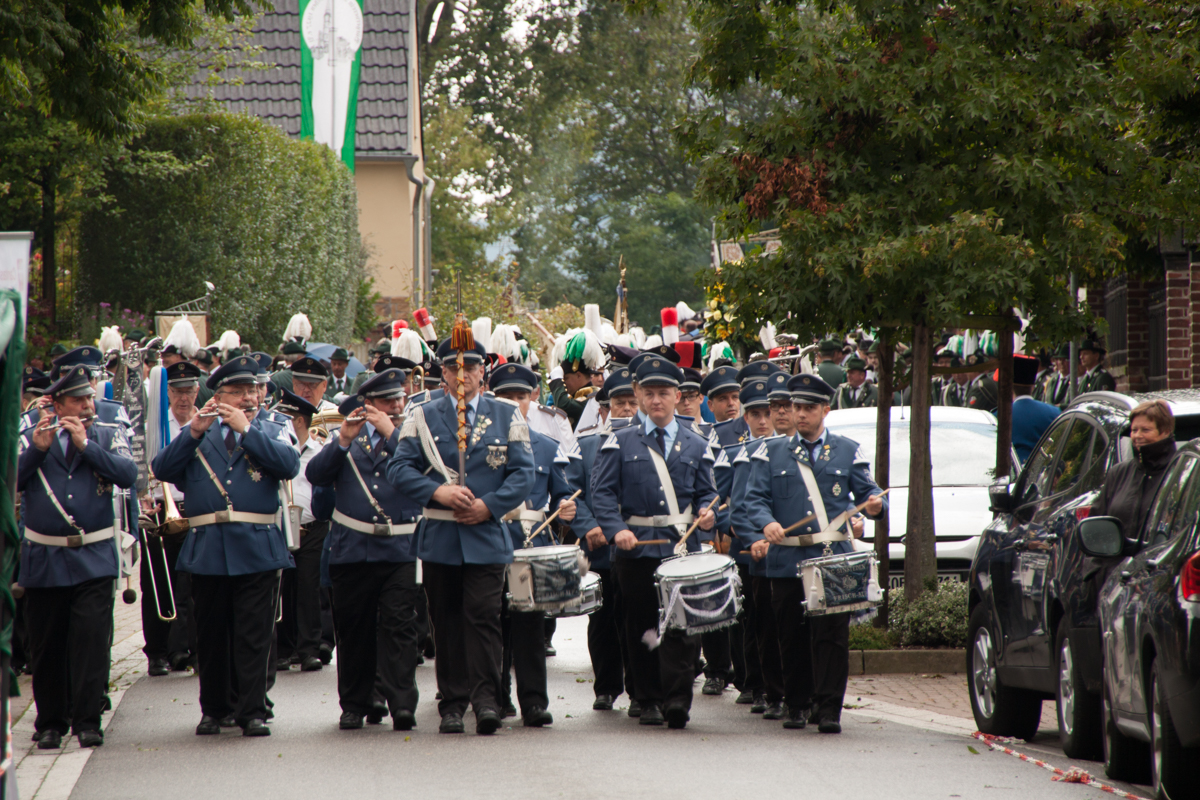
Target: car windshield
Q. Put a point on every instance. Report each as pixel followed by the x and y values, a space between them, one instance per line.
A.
pixel 963 453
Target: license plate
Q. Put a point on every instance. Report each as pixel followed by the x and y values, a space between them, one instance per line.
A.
pixel 897 581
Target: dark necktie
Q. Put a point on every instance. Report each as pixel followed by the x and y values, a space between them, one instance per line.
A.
pixel 812 450
pixel 71 451
pixel 659 436
pixel 230 441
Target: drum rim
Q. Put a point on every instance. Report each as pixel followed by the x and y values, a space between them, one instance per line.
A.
pixel 542 553
pixel 726 563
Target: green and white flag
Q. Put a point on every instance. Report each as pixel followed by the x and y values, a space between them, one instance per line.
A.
pixel 331 34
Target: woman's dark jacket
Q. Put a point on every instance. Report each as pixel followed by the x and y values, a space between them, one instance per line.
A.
pixel 1129 487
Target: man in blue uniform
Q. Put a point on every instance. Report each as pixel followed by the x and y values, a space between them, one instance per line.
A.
pixel 89 357
pixel 372 558
pixel 524 637
pixel 461 541
pixel 230 464
pixel 70 557
pixel 815 652
pixel 651 480
pixel 606 644
pixel 1030 418
pixel 720 387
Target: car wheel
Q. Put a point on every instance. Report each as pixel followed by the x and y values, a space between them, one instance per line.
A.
pixel 1125 759
pixel 1172 766
pixel 1079 730
pixel 999 710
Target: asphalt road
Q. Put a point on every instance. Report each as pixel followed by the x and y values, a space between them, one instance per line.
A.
pixel 151 752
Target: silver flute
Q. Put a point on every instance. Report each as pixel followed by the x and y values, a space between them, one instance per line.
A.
pixel 58 425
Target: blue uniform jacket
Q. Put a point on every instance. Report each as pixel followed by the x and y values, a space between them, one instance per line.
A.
pixel 625 483
pixel 84 489
pixel 108 411
pixel 549 486
pixel 581 460
pixel 1030 418
pixel 251 477
pixel 730 476
pixel 500 472
pixel 732 431
pixel 775 492
pixel 330 468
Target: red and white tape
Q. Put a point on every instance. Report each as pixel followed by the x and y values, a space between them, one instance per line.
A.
pixel 1072 775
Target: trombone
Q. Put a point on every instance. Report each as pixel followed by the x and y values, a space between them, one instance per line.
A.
pixel 173 523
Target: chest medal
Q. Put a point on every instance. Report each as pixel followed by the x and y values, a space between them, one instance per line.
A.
pixel 837 489
pixel 497 456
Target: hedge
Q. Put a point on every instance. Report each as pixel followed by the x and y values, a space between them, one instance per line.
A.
pixel 271 221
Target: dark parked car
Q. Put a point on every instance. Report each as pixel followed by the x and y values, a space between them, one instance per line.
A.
pixel 1150 619
pixel 1034 632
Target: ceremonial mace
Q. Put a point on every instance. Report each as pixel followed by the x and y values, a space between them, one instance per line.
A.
pixel 461 340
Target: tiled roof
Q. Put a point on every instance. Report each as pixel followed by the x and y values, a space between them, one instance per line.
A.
pixel 274 94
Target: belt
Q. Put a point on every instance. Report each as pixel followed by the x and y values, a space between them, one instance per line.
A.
pixel 228 515
pixel 524 515
pixel 809 539
pixel 373 528
pixel 660 521
pixel 74 540
pixel 438 514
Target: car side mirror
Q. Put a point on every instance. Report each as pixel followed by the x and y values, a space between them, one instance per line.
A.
pixel 1101 537
pixel 1000 494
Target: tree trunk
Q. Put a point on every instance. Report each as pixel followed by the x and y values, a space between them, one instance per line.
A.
pixel 883 466
pixel 920 556
pixel 49 245
pixel 1004 338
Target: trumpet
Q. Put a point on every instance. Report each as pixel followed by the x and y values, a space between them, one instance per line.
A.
pixel 58 425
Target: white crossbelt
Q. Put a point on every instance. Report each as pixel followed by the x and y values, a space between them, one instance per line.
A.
pixel 663 520
pixel 524 515
pixel 373 528
pixel 227 515
pixel 74 540
pixel 438 514
pixel 829 530
pixel 673 519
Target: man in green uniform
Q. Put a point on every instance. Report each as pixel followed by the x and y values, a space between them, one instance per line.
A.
pixel 830 352
pixel 857 391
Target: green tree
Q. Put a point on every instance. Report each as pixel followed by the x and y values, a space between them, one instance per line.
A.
pixel 924 162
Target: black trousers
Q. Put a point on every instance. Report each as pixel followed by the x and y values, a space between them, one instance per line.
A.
pixel 525 654
pixel 768 640
pixel 376 618
pixel 718 654
pixel 747 664
pixel 815 651
pixel 606 645
pixel 665 674
pixel 300 626
pixel 70 638
pixel 464 608
pixel 235 623
pixel 165 638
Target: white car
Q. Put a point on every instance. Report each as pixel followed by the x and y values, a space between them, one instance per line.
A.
pixel 963 452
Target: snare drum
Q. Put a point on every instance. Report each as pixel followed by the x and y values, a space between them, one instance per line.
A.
pixel 841 583
pixel 544 578
pixel 590 599
pixel 698 593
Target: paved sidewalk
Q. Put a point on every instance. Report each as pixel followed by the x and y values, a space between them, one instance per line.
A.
pixel 51 774
pixel 941 693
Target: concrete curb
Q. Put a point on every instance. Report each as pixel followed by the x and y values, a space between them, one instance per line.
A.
pixel 884 662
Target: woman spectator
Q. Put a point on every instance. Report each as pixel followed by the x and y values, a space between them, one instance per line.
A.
pixel 1129 487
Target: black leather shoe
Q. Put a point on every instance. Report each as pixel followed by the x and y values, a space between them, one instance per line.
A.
pixel 180 662
pixel 49 740
pixel 829 725
pixel 107 706
pixel 227 722
pixel 651 715
pixel 451 723
pixel 270 712
pixel 507 709
pixel 350 721
pixel 90 738
pixel 759 705
pixel 487 721
pixel 310 664
pixel 377 713
pixel 208 726
pixel 326 653
pixel 158 667
pixel 283 664
pixel 713 686
pixel 744 698
pixel 635 708
pixel 701 665
pixel 537 718
pixel 256 727
pixel 774 711
pixel 404 721
pixel 677 716
pixel 550 651
pixel 795 719
pixel 603 702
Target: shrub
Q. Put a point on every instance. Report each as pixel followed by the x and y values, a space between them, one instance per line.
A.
pixel 936 619
pixel 271 221
pixel 865 636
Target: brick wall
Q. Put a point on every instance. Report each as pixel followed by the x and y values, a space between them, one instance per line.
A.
pixel 1179 333
pixel 1137 328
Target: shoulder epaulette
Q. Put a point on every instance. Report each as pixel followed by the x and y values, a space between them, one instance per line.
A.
pixel 761 453
pixel 611 443
pixel 722 461
pixel 504 400
pixel 743 457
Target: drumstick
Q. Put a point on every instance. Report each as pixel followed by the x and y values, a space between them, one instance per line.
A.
pixel 811 517
pixel 549 519
pixel 682 543
pixel 722 507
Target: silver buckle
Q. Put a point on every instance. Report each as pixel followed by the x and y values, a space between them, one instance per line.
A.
pixel 220 517
pixel 75 540
pixel 383 529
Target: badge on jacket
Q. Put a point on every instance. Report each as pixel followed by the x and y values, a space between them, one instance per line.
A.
pixel 497 456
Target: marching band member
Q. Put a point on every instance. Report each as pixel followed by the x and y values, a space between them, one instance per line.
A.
pixel 310 378
pixel 524 638
pixel 657 471
pixel 815 651
pixel 606 643
pixel 372 558
pixel 70 557
pixel 229 469
pixel 461 542
pixel 108 411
